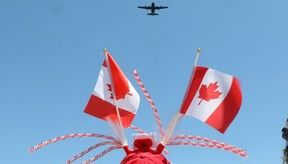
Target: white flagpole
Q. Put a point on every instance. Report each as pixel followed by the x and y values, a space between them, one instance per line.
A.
pixel 178 115
pixel 122 134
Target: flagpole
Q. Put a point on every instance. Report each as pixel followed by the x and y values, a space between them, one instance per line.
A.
pixel 174 121
pixel 122 134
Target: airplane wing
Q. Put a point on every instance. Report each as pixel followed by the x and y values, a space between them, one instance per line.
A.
pixel 161 7
pixel 145 7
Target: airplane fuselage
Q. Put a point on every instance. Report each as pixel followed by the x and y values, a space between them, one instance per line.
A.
pixel 152 8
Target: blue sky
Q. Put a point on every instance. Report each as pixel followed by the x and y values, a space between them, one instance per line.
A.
pixel 51 54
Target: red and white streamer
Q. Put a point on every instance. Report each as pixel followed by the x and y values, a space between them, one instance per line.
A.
pixel 101 154
pixel 139 130
pixel 216 145
pixel 191 137
pixel 68 136
pixel 151 102
pixel 74 158
pixel 210 141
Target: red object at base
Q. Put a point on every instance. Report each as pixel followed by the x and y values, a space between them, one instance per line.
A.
pixel 144 158
pixel 160 148
pixel 144 154
pixel 126 149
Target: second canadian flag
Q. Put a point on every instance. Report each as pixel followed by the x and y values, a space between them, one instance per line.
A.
pixel 212 97
pixel 104 102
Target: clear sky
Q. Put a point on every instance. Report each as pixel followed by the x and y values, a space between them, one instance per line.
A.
pixel 51 54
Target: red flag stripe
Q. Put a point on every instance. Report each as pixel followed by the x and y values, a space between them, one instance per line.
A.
pixel 228 109
pixel 106 111
pixel 192 89
pixel 104 64
pixel 120 82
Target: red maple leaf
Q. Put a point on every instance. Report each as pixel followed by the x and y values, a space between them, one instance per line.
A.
pixel 208 93
pixel 109 88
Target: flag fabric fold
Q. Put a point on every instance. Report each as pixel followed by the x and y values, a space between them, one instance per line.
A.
pixel 212 97
pixel 103 100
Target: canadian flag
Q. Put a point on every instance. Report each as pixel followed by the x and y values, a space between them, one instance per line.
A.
pixel 103 101
pixel 212 97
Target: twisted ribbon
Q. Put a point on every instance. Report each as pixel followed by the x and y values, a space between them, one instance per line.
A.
pixel 74 158
pixel 101 154
pixel 151 102
pixel 133 127
pixel 68 136
pixel 206 142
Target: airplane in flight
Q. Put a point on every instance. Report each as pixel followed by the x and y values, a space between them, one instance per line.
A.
pixel 152 8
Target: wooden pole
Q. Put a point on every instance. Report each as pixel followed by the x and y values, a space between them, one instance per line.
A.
pixel 122 134
pixel 174 121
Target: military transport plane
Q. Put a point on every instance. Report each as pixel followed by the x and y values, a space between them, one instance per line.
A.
pixel 152 8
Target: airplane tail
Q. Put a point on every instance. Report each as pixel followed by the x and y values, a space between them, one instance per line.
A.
pixel 152 14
